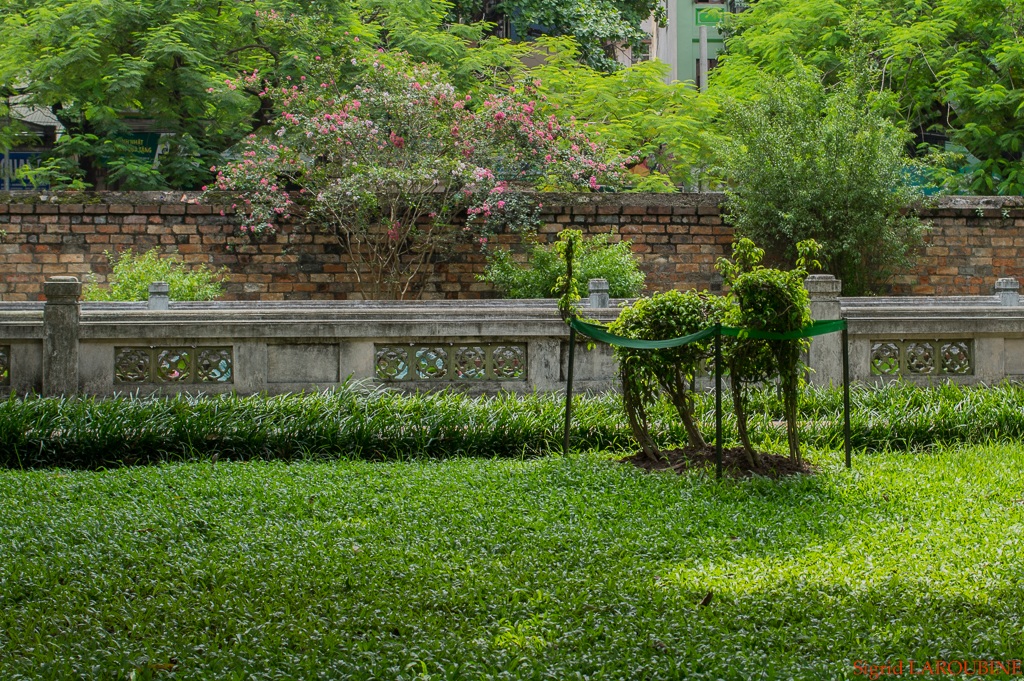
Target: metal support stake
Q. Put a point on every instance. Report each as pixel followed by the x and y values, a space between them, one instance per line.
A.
pixel 568 390
pixel 846 397
pixel 718 401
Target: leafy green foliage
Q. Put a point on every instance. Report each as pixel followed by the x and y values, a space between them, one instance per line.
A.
pixel 400 170
pixel 510 569
pixel 600 26
pixel 593 258
pixel 952 66
pixel 633 110
pixel 646 373
pixel 805 161
pixel 355 421
pixel 769 300
pixel 100 65
pixel 133 273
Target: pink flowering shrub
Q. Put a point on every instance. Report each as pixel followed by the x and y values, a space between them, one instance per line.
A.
pixel 402 167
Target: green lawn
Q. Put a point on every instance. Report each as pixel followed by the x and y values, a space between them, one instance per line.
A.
pixel 538 569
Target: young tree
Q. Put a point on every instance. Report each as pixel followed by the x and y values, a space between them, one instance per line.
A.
pixel 646 374
pixel 807 161
pixel 769 300
pixel 392 167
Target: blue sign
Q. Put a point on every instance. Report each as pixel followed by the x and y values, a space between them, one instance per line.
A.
pixel 13 161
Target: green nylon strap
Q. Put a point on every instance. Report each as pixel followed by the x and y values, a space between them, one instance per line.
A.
pixel 817 328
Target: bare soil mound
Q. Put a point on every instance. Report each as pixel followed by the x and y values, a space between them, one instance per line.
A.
pixel 734 463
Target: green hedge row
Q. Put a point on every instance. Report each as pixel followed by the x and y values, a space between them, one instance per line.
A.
pixel 356 421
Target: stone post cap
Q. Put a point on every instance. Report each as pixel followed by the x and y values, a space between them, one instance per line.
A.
pixel 62 290
pixel 598 286
pixel 159 295
pixel 820 285
pixel 1007 284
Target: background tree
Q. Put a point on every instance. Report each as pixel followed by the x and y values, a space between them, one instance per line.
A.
pixel 954 67
pixel 633 109
pixel 599 26
pixel 98 64
pixel 807 161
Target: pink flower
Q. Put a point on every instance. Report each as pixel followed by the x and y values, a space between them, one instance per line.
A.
pixel 593 183
pixel 482 241
pixel 501 204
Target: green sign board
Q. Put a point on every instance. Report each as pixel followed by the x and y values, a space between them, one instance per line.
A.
pixel 709 17
pixel 142 144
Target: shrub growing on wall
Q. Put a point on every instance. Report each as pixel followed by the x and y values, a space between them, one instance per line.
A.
pixel 391 168
pixel 806 161
pixel 132 273
pixel 593 258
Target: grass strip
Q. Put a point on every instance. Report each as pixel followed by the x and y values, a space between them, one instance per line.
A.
pixel 546 568
pixel 357 421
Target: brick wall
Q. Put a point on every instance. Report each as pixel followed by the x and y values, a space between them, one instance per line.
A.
pixel 973 241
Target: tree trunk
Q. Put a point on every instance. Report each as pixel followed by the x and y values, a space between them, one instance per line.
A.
pixel 741 418
pixel 788 359
pixel 791 433
pixel 680 394
pixel 637 415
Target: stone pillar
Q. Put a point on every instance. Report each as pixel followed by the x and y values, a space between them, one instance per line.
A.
pixel 826 353
pixel 159 295
pixel 598 292
pixel 1008 290
pixel 60 335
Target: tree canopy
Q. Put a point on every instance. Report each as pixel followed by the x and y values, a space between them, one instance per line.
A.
pixel 103 65
pixel 953 66
pixel 108 68
pixel 597 25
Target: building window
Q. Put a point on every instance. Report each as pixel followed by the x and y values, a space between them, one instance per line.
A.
pixel 642 53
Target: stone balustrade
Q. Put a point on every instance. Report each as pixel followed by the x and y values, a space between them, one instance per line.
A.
pixel 65 346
